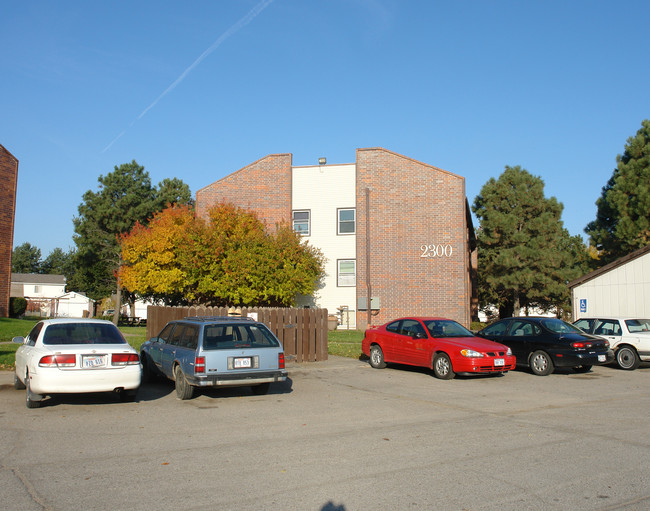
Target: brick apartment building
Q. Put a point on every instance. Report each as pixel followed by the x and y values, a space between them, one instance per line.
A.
pixel 8 180
pixel 392 228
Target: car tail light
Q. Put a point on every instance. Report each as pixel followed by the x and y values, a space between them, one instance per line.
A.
pixel 199 365
pixel 58 361
pixel 281 360
pixel 125 359
pixel 581 345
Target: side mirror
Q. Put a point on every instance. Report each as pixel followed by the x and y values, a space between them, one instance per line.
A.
pixel 18 340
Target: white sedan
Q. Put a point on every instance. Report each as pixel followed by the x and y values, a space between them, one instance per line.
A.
pixel 628 337
pixel 63 356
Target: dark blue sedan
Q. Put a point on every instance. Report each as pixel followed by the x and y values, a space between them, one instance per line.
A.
pixel 546 343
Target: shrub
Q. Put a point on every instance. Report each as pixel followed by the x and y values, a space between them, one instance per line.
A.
pixel 17 306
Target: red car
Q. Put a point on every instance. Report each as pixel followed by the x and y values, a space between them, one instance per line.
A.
pixel 438 343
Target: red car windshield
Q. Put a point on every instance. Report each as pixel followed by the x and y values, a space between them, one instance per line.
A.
pixel 446 328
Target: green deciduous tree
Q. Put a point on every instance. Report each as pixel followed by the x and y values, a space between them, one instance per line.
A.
pixel 172 191
pixel 623 217
pixel 57 262
pixel 26 259
pixel 229 260
pixel 124 198
pixel 525 256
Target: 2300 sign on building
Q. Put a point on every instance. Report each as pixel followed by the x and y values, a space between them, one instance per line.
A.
pixel 436 250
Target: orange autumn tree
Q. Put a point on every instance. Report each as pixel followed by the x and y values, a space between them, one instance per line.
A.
pixel 230 259
pixel 151 257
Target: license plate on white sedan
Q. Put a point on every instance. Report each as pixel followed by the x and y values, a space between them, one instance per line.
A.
pixel 499 362
pixel 92 361
pixel 242 362
pixel 602 358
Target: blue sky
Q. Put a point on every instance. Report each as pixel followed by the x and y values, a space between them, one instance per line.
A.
pixel 199 89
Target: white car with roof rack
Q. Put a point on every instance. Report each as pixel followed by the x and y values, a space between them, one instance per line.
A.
pixel 629 337
pixel 212 351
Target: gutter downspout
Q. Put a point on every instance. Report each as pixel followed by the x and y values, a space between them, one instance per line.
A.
pixel 368 285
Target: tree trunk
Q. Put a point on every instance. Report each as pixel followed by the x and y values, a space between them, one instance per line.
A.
pixel 118 303
pixel 516 306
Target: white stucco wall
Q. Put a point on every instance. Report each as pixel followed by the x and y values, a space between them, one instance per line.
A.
pixel 73 305
pixel 40 290
pixel 622 291
pixel 323 189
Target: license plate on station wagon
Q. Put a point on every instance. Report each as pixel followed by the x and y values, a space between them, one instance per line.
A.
pixel 602 358
pixel 242 362
pixel 91 361
pixel 499 362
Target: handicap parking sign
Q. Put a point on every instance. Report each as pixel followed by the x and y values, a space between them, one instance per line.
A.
pixel 583 305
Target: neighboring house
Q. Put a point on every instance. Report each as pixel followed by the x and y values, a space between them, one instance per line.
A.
pixel 8 181
pixel 46 296
pixel 392 228
pixel 621 288
pixel 37 285
pixel 73 305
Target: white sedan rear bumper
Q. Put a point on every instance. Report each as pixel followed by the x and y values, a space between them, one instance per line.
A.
pixel 60 381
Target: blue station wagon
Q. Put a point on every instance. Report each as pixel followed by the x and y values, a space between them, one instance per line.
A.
pixel 215 351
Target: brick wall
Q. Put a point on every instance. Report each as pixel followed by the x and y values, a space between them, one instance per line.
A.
pixel 415 210
pixel 8 179
pixel 263 186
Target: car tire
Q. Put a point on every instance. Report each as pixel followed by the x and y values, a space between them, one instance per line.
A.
pixel 18 385
pixel 541 363
pixel 442 367
pixel 183 389
pixel 31 400
pixel 261 389
pixel 582 369
pixel 377 357
pixel 147 373
pixel 627 358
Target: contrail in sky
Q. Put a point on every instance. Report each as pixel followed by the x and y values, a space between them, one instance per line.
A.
pixel 240 24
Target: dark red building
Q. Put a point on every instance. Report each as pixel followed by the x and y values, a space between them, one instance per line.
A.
pixel 391 227
pixel 8 181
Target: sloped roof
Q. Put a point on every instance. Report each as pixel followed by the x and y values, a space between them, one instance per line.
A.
pixel 37 278
pixel 609 267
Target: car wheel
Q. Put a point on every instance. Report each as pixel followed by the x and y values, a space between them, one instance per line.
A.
pixel 18 385
pixel 541 363
pixel 627 358
pixel 442 367
pixel 31 400
pixel 147 373
pixel 183 389
pixel 582 369
pixel 261 389
pixel 377 357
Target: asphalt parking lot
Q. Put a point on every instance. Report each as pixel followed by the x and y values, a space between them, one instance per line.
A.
pixel 339 436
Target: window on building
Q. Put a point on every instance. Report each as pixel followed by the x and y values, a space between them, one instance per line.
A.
pixel 301 222
pixel 347 221
pixel 347 272
pixel 37 289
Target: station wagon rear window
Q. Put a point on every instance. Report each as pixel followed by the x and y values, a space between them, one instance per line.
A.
pixel 638 325
pixel 82 333
pixel 227 337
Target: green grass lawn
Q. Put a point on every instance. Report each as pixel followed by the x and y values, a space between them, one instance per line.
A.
pixel 344 343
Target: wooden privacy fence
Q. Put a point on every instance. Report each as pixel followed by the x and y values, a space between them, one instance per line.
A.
pixel 302 332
